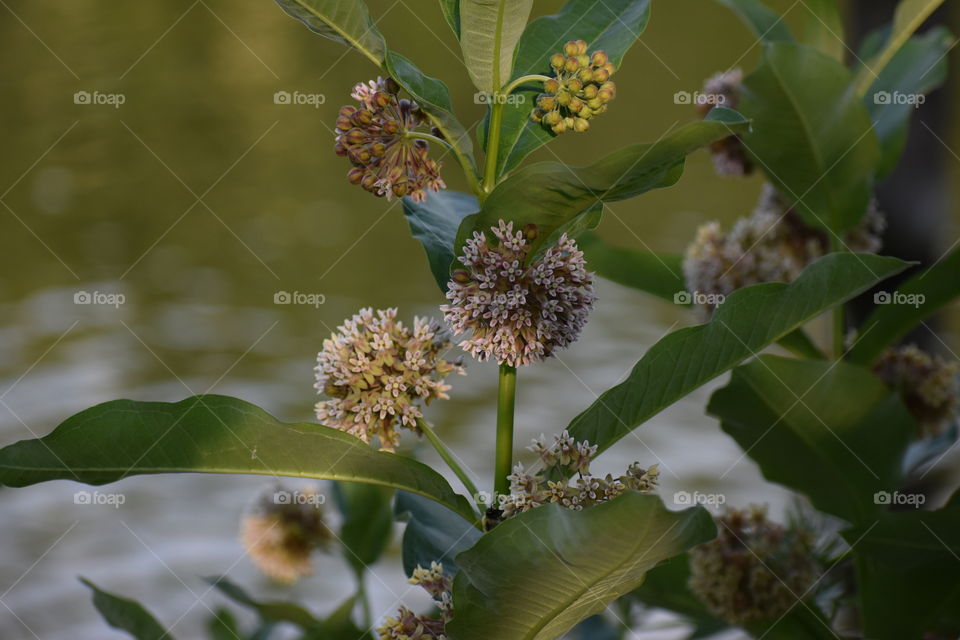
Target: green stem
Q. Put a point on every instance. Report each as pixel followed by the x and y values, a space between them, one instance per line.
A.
pixel 493 146
pixel 448 457
pixel 510 88
pixel 839 320
pixel 506 401
pixel 364 599
pixel 468 169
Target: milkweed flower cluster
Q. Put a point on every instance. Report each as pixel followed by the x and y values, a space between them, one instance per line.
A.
pixel 375 137
pixel 566 479
pixel 281 534
pixel 377 372
pixel 408 625
pixel 927 383
pixel 579 91
pixel 773 244
pixel 754 570
pixel 519 311
pixel 729 154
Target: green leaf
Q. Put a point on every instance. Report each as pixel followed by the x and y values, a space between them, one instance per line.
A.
pixel 451 13
pixel 551 194
pixel 434 222
pixel 910 14
pixel 345 21
pixel 798 342
pixel 489 31
pixel 610 25
pixel 765 23
pixel 657 274
pixel 917 69
pixel 268 611
pixel 938 286
pixel 126 615
pixel 209 434
pixel 367 522
pixel 222 625
pixel 909 558
pixel 433 533
pixel 666 587
pixel 434 98
pixel 824 28
pixel 812 135
pixel 538 574
pixel 688 358
pixel 795 418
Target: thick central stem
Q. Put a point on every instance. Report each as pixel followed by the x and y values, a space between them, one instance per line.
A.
pixel 505 405
pixel 493 145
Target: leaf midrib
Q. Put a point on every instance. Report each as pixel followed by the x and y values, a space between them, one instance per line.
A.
pixel 343 34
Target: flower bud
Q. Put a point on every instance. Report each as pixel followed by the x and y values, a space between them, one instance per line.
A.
pixel 356 136
pixel 590 91
pixel 552 118
pixel 391 86
pixel 347 110
pixel 557 60
pixel 580 125
pixel 355 175
pixel 599 58
pixel 378 149
pixel 575 105
pixel 362 117
pixel 581 46
pixel 585 75
pixel 574 85
pixel 571 49
pixel 344 124
pixel 600 75
pixel 605 95
pixel 563 98
pixel 571 65
pixel 400 189
pixel 461 276
pixel 559 128
pixel 536 115
pixel 583 59
pixel 595 104
pixel 551 86
pixel 381 99
pixel 547 102
pixel 391 127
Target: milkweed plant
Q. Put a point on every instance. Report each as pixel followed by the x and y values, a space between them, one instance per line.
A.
pixel 558 547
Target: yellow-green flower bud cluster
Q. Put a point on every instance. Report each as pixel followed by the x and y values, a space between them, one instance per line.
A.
pixel 580 89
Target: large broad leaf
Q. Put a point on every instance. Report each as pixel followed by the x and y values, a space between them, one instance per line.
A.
pixel 903 309
pixel 909 558
pixel 451 13
pixel 489 31
pixel 811 135
pixel 540 573
pixel 346 21
pixel 795 418
pixel 765 23
pixel 434 97
pixel 918 68
pixel 367 522
pixel 551 194
pixel 655 273
pixel 434 222
pixel 209 434
pixel 748 321
pixel 824 27
pixel 609 25
pixel 126 615
pixel 433 533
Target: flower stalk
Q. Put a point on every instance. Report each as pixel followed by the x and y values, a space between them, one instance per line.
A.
pixel 447 456
pixel 506 400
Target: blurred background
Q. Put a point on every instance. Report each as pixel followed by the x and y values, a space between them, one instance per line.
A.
pixel 197 198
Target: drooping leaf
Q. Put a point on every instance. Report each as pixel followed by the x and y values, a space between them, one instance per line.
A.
pixel 451 13
pixel 795 419
pixel 550 194
pixel 434 222
pixel 765 23
pixel 489 31
pixel 367 522
pixel 346 21
pixel 208 434
pixel 609 25
pixel 267 610
pixel 811 134
pixel 222 625
pixel 433 533
pixel 538 574
pixel 688 358
pixel 824 28
pixel 900 311
pixel 658 274
pixel 434 98
pixel 127 615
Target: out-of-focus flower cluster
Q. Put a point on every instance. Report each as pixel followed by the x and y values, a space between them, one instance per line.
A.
pixel 408 625
pixel 566 479
pixel 772 245
pixel 375 137
pixel 729 155
pixel 280 535
pixel 518 313
pixel 579 91
pixel 927 383
pixel 377 372
pixel 754 570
